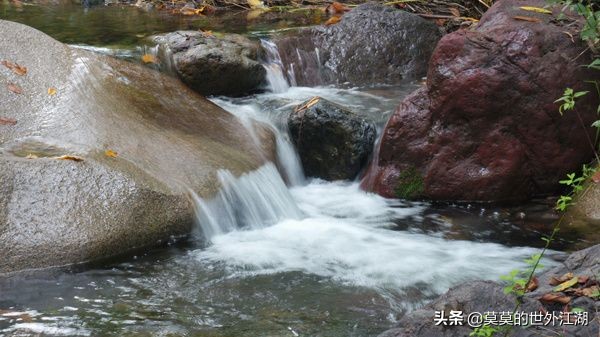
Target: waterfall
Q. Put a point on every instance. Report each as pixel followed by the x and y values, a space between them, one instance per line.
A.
pixel 253 200
pixel 276 77
pixel 288 159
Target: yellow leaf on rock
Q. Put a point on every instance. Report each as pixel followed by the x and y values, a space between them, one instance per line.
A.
pixel 148 58
pixel 566 285
pixel 51 91
pixel 536 9
pixel 68 157
pixel 31 156
pixel 111 154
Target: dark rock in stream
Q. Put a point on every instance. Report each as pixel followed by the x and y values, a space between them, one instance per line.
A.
pixel 482 296
pixel 169 140
pixel 333 142
pixel 211 65
pixel 486 126
pixel 372 44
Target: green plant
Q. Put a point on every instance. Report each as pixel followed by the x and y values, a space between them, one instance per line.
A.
pixel 484 331
pixel 410 184
pixel 568 99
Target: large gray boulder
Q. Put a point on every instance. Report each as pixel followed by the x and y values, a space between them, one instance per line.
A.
pixel 211 65
pixel 168 138
pixel 334 143
pixel 482 296
pixel 372 44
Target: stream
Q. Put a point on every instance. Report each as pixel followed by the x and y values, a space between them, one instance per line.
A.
pixel 273 254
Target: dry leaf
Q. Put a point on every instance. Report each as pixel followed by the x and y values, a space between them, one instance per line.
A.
pixel 68 157
pixel 555 298
pixel 333 20
pixel 209 33
pixel 111 153
pixel 596 177
pixel 536 9
pixel 308 104
pixel 7 121
pixel 454 11
pixel 254 4
pixel 527 18
pixel 51 91
pixel 556 281
pixel 337 8
pixel 566 285
pixel 15 67
pixel 583 279
pixel 191 11
pixel 533 284
pixel 148 58
pixel 15 88
pixel 31 156
pixel 588 292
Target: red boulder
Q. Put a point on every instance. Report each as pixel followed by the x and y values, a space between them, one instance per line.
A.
pixel 486 126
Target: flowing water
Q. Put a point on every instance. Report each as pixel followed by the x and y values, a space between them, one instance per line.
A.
pixel 275 253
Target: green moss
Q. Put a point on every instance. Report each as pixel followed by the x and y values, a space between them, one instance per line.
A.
pixel 410 184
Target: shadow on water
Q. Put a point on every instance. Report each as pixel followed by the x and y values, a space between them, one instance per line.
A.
pixel 124 26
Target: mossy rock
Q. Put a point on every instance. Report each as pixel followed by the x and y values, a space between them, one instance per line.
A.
pixel 410 184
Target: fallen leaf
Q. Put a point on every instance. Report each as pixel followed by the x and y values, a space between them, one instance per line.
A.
pixel 566 285
pixel 7 121
pixel 536 9
pixel 583 279
pixel 15 67
pixel 596 177
pixel 533 284
pixel 308 104
pixel 51 91
pixel 208 33
pixel 333 20
pixel 527 18
pixel 111 153
pixel 148 58
pixel 454 11
pixel 69 157
pixel 191 11
pixel 337 8
pixel 15 88
pixel 254 4
pixel 556 281
pixel 31 156
pixel 555 298
pixel 588 292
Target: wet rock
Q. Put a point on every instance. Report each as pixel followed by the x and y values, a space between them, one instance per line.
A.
pixel 482 296
pixel 583 216
pixel 167 137
pixel 485 127
pixel 372 44
pixel 333 142
pixel 224 65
